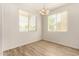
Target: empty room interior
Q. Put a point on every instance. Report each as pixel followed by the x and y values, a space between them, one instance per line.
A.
pixel 39 29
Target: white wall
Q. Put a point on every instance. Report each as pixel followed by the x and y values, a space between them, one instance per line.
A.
pixel 11 36
pixel 69 38
pixel 0 30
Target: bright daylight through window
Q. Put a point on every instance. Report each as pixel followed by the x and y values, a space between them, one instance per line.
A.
pixel 58 22
pixel 27 22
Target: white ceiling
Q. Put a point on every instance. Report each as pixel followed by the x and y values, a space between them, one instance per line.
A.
pixel 39 6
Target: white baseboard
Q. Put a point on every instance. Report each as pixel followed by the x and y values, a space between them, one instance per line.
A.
pixel 29 42
pixel 62 44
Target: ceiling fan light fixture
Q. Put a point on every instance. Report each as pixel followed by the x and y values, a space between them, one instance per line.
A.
pixel 44 11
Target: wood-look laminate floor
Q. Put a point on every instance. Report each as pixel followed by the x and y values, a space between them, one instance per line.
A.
pixel 42 48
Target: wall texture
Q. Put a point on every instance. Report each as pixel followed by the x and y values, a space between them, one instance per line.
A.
pixel 69 38
pixel 11 36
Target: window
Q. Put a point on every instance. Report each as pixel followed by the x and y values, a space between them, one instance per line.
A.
pixel 58 22
pixel 23 23
pixel 32 23
pixel 27 22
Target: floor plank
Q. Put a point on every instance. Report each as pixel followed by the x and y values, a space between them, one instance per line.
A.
pixel 42 48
